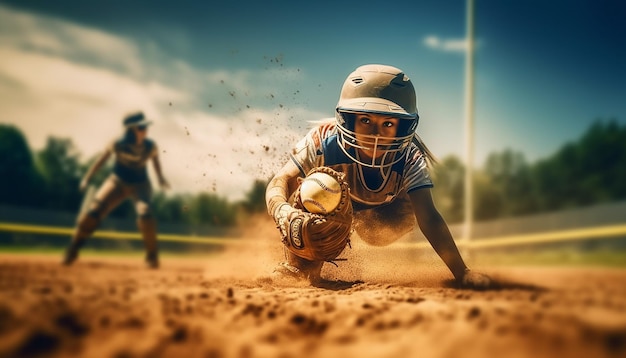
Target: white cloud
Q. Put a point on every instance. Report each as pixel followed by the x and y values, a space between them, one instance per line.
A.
pixel 64 80
pixel 446 45
pixel 60 38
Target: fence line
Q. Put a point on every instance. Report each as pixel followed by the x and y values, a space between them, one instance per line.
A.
pixel 593 233
pixel 599 232
pixel 114 235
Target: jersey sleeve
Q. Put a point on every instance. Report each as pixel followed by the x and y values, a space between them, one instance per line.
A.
pixel 416 173
pixel 308 153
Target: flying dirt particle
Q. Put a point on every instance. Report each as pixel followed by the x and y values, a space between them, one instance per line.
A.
pixel 231 93
pixel 280 105
pixel 179 334
pixel 210 105
pixel 133 322
pixel 473 313
pixel 247 106
pixel 170 104
pixel 42 290
pixel 266 148
pixel 105 321
pixel 230 293
pixel 187 130
pixel 222 81
pixel 164 151
pixel 259 120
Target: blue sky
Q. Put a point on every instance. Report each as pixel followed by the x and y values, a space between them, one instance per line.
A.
pixel 231 86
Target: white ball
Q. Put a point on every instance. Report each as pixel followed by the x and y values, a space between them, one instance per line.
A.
pixel 320 193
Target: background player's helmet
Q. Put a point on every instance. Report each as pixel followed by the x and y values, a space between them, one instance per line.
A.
pixel 383 90
pixel 135 119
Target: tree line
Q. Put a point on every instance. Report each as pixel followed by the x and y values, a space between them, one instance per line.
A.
pixel 49 179
pixel 587 171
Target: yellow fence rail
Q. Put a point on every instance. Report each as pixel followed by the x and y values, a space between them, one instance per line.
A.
pixel 115 235
pixel 593 233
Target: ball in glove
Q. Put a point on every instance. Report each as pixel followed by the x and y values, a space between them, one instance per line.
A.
pixel 320 193
pixel 317 236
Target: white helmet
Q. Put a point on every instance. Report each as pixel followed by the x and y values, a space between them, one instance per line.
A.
pixel 378 89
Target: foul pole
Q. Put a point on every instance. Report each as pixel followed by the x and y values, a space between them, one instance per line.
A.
pixel 469 122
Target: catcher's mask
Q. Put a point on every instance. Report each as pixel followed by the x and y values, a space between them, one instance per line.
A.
pixel 377 89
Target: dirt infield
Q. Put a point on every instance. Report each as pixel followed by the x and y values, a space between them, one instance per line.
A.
pixel 227 306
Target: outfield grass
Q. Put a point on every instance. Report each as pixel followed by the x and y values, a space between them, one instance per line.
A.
pixel 600 258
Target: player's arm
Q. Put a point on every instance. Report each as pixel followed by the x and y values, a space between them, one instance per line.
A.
pixel 94 169
pixel 281 186
pixel 437 233
pixel 156 163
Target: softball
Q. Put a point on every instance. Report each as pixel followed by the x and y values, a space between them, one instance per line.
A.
pixel 320 193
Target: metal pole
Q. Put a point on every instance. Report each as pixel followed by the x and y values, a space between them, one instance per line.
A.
pixel 469 122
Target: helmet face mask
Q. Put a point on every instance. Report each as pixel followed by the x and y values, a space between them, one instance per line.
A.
pixel 376 90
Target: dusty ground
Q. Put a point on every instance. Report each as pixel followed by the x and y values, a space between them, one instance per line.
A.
pixel 226 306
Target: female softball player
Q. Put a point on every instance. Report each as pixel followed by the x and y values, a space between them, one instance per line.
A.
pixel 129 179
pixel 373 142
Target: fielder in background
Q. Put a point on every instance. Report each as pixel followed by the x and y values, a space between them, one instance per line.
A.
pixel 372 142
pixel 129 179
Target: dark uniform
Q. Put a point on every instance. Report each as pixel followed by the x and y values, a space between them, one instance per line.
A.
pixel 129 179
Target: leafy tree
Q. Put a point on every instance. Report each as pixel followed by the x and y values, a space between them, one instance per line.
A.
pixel 488 201
pixel 510 178
pixel 588 171
pixel 602 162
pixel 60 167
pixel 448 177
pixel 208 208
pixel 255 198
pixel 20 183
pixel 172 209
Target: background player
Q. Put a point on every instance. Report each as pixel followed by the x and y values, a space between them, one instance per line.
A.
pixel 372 140
pixel 129 179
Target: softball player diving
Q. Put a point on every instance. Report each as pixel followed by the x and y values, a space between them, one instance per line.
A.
pixel 372 141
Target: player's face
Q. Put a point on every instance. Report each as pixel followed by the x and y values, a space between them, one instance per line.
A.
pixel 371 128
pixel 140 132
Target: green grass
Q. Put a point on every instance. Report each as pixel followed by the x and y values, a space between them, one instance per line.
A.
pixel 599 258
pixel 57 251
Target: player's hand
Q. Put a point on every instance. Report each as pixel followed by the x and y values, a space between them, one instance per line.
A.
pixel 476 281
pixel 164 184
pixel 283 216
pixel 83 185
pixel 286 213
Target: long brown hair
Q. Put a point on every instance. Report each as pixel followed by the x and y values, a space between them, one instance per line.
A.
pixel 431 160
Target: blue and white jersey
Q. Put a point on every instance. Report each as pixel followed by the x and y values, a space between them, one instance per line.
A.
pixel 131 159
pixel 369 187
